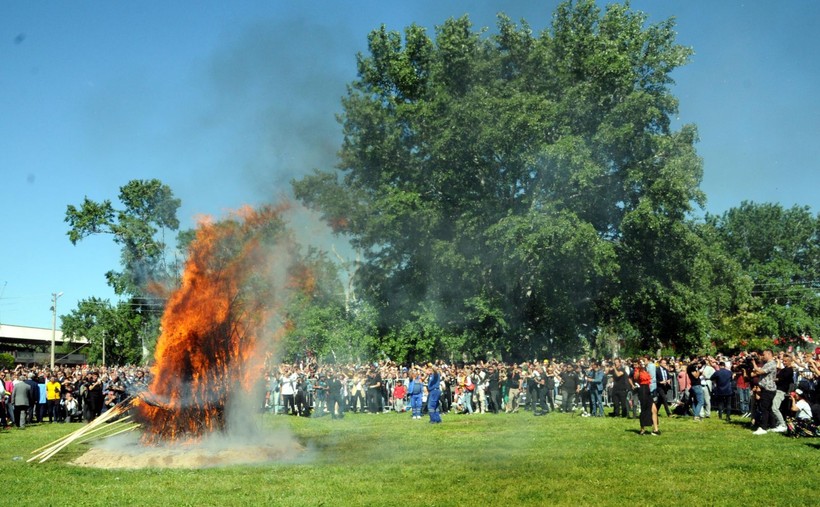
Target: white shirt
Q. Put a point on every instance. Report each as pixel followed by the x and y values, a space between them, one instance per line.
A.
pixel 287 385
pixel 803 409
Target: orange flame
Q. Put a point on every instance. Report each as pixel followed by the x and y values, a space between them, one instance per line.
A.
pixel 211 346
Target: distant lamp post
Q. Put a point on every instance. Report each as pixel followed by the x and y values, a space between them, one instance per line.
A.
pixel 54 296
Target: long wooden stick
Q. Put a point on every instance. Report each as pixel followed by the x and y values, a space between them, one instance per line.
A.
pixel 53 443
pixel 105 432
pixel 62 443
pixel 124 430
pixel 84 429
pixel 55 451
pixel 98 432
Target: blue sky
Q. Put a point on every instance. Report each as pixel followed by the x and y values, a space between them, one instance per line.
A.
pixel 226 102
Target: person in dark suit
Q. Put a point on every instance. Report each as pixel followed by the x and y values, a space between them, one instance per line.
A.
pixel 664 380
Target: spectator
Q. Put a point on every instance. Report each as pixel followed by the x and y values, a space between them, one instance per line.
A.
pixel 783 381
pixel 513 388
pixel 694 372
pixel 722 384
pixel 22 398
pixel 663 379
pixel 596 379
pixel 399 392
pixel 766 392
pixel 620 387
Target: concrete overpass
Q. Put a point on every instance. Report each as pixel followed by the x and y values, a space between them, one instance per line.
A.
pixel 24 343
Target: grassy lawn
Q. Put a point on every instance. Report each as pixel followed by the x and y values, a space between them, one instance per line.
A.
pixel 511 460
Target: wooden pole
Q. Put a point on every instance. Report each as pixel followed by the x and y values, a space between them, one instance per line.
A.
pixel 102 432
pixel 61 443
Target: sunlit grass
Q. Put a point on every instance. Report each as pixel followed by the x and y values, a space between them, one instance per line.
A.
pixel 388 459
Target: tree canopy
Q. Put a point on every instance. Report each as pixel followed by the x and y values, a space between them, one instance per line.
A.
pixel 148 209
pixel 519 190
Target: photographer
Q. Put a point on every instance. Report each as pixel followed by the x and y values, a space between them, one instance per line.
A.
pixel 784 380
pixel 693 372
pixel 800 408
pixel 766 373
pixel 620 387
pixel 94 396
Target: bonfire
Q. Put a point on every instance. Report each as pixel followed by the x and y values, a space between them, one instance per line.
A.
pixel 216 331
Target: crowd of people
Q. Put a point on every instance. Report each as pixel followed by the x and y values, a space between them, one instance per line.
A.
pixel 777 393
pixel 769 390
pixel 37 394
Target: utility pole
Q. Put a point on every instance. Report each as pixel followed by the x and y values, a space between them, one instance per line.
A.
pixel 54 296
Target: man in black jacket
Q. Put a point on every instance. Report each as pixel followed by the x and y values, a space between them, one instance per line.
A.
pixel 664 381
pixel 569 387
pixel 494 386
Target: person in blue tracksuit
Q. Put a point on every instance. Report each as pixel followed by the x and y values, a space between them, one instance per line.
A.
pixel 433 394
pixel 415 390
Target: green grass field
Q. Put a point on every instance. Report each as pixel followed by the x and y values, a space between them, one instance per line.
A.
pixel 388 459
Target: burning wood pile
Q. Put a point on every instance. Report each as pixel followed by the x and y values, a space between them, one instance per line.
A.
pixel 214 336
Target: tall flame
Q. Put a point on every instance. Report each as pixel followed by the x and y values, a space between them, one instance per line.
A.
pixel 212 345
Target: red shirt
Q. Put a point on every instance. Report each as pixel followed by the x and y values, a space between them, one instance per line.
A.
pixel 399 391
pixel 643 377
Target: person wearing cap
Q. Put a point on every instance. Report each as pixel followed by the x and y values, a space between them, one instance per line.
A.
pixel 799 406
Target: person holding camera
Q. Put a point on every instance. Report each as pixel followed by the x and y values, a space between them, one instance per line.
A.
pixel 766 373
pixel 693 372
pixel 620 388
pixel 783 380
pixel 514 381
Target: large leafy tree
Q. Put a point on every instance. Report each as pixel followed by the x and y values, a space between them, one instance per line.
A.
pixel 513 192
pixel 779 251
pixel 148 210
pixel 115 333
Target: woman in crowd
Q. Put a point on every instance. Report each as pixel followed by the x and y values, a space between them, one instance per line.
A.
pixel 643 379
